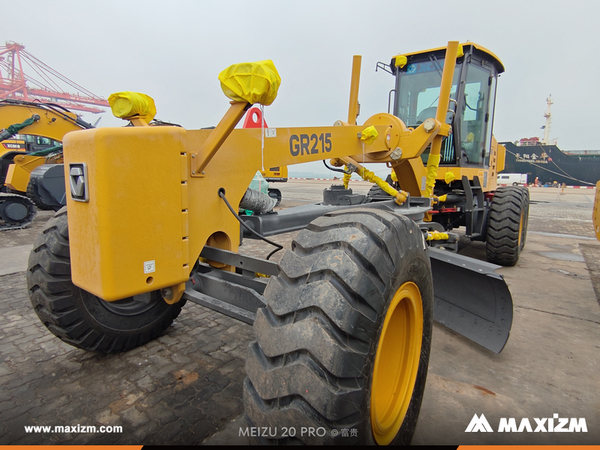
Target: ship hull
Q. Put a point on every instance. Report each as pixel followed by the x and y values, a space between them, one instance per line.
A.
pixel 549 164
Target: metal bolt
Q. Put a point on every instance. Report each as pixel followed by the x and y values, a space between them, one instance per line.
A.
pixel 429 125
pixel 396 154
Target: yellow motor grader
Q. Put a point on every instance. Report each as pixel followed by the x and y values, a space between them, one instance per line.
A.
pixel 343 322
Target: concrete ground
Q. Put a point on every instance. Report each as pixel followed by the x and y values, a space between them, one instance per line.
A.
pixel 186 387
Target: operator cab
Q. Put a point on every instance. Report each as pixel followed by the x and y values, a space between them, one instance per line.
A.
pixel 472 99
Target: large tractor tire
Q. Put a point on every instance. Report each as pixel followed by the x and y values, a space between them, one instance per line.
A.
pixel 80 318
pixel 343 344
pixel 507 225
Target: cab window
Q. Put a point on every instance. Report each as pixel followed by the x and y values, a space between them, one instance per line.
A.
pixel 475 130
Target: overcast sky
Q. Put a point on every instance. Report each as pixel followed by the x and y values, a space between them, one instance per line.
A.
pixel 174 50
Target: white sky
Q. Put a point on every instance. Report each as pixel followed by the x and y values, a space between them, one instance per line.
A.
pixel 174 50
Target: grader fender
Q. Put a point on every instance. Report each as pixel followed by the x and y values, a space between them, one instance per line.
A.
pixel 471 299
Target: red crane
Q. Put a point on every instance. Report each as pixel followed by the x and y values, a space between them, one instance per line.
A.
pixel 16 85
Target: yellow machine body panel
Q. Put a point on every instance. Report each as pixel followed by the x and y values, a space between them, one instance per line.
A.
pixel 18 173
pixel 501 155
pixel 128 225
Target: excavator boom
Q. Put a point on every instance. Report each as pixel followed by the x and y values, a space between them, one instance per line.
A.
pixel 24 174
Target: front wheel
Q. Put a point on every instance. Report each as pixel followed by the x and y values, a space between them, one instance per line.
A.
pixel 80 318
pixel 507 225
pixel 343 345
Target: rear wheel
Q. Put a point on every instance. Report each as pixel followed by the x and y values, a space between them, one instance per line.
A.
pixel 343 345
pixel 507 225
pixel 80 318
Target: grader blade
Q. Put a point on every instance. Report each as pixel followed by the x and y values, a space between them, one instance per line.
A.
pixel 471 299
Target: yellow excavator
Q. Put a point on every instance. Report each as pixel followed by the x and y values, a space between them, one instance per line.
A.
pixel 343 321
pixel 22 191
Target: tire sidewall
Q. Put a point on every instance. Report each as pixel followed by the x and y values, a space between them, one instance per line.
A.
pixel 525 212
pixel 110 322
pixel 418 270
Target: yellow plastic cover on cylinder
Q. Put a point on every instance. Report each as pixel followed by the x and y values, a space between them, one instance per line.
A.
pixel 129 104
pixel 256 82
pixel 368 135
pixel 433 162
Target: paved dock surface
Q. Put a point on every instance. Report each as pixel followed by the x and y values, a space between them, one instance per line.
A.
pixel 186 386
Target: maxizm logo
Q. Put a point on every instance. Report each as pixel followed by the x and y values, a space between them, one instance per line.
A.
pixel 554 424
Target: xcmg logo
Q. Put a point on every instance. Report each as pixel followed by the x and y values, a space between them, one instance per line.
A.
pixel 554 424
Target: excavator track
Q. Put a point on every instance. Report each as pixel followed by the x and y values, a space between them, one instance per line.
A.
pixel 16 211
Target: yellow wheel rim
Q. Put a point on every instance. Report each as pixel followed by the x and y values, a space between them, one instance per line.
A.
pixel 396 363
pixel 520 229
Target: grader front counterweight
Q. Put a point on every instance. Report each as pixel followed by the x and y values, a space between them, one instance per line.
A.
pixel 344 321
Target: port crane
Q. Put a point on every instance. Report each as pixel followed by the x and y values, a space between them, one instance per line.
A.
pixel 47 85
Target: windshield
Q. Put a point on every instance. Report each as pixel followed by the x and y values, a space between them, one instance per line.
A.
pixel 418 90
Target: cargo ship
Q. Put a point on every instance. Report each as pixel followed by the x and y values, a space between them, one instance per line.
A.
pixel 541 159
pixel 551 165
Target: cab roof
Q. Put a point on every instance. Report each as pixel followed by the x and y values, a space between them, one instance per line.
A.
pixel 464 46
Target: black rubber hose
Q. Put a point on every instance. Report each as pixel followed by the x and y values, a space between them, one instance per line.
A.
pixel 334 169
pixel 260 236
